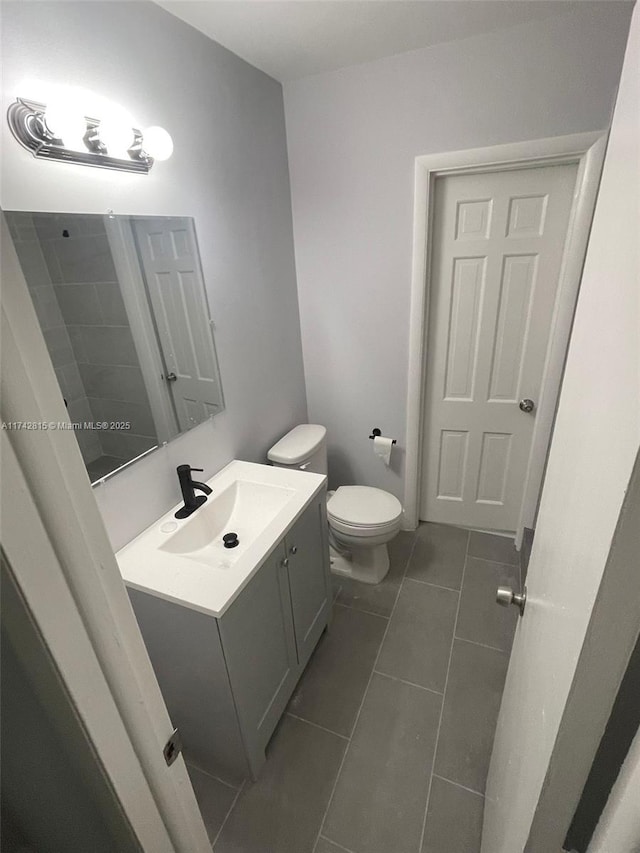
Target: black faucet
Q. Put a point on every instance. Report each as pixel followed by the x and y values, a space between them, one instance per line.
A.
pixel 187 485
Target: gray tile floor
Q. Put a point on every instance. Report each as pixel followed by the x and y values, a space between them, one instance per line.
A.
pixel 385 745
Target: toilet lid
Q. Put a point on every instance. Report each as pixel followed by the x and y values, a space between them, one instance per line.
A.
pixel 363 505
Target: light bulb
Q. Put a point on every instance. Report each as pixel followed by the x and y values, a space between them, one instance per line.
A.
pixel 117 135
pixel 157 143
pixel 67 123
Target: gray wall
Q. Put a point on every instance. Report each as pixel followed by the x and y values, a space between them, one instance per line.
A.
pixel 353 136
pixel 229 171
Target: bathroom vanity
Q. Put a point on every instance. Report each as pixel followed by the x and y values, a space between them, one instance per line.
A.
pixel 230 630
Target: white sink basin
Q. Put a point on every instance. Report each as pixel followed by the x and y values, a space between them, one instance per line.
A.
pixel 184 560
pixel 244 508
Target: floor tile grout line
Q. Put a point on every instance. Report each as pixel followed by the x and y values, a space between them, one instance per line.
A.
pixel 226 817
pixel 495 562
pixel 335 843
pixel 410 683
pixel 364 696
pixel 444 697
pixel 211 776
pixel 360 610
pixel 482 645
pixel 436 585
pixel 384 636
pixel 458 785
pixel 317 726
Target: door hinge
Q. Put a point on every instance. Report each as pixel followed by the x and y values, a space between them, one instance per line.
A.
pixel 172 748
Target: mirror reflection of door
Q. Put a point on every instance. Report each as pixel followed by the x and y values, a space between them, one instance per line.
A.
pixel 169 260
pixel 110 351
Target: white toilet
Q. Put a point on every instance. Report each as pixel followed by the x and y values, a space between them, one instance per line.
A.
pixel 361 519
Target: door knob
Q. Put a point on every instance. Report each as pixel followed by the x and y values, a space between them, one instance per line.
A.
pixel 506 596
pixel 171 377
pixel 526 405
pixel 293 549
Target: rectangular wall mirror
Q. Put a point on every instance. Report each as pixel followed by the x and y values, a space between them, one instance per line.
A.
pixel 123 309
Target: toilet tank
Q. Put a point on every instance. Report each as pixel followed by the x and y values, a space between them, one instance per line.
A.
pixel 304 448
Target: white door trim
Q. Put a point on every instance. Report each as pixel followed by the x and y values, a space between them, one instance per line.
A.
pixel 585 149
pixel 80 602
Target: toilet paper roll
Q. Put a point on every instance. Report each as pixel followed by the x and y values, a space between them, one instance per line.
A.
pixel 382 448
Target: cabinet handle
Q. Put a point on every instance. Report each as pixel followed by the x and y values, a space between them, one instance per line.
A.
pixel 285 563
pixel 293 549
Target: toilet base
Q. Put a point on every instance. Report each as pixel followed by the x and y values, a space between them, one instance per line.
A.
pixel 369 565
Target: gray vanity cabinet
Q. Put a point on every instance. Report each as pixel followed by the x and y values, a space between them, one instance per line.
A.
pixel 227 680
pixel 188 660
pixel 271 629
pixel 260 651
pixel 307 555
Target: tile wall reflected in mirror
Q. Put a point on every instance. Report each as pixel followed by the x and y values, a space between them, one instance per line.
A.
pixel 123 310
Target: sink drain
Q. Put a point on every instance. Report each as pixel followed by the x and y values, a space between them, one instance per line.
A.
pixel 230 540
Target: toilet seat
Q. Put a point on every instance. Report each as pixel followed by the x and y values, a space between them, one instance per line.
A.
pixel 363 510
pixel 364 532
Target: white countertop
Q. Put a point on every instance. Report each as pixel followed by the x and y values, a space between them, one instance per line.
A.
pixel 209 579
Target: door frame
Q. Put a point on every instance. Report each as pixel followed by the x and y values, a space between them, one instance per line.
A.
pixel 587 150
pixel 50 519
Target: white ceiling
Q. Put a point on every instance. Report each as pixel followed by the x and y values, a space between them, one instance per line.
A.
pixel 289 39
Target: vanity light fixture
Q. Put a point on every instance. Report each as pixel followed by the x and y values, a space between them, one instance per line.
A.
pixel 58 133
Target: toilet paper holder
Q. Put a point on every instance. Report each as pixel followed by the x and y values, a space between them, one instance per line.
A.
pixel 376 432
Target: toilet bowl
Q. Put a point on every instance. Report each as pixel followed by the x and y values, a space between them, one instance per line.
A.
pixel 361 519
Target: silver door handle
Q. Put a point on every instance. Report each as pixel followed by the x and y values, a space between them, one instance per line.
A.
pixel 293 549
pixel 171 377
pixel 526 405
pixel 285 563
pixel 506 596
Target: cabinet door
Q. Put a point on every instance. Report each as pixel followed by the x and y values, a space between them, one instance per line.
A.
pixel 186 652
pixel 308 555
pixel 259 648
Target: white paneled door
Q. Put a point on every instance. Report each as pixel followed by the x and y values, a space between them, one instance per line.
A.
pixel 498 244
pixel 171 266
